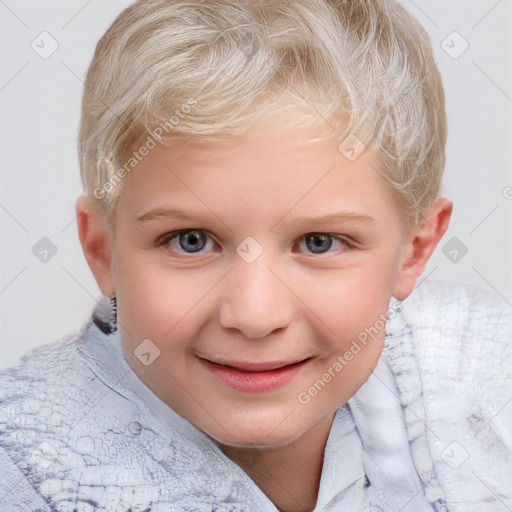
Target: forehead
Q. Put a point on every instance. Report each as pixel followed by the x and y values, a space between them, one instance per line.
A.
pixel 286 161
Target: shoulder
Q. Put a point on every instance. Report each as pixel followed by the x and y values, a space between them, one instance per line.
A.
pixel 29 368
pixel 449 345
pixel 43 392
pixel 43 371
pixel 457 328
pixel 51 382
pixel 40 399
pixel 438 300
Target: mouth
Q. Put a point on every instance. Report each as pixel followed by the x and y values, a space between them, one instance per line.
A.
pixel 249 377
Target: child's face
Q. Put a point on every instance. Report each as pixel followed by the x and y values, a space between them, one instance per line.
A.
pixel 215 298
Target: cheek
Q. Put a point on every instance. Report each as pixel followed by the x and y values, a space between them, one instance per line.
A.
pixel 160 304
pixel 355 301
pixel 355 310
pixel 150 309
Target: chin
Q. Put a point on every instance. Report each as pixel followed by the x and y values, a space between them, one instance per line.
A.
pixel 257 431
pixel 255 441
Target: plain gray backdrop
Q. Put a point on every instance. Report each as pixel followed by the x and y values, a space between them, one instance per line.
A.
pixel 45 295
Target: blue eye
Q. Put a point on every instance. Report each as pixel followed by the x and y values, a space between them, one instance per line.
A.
pixel 193 241
pixel 320 243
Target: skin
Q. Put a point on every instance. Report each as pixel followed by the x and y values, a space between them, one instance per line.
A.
pixel 289 304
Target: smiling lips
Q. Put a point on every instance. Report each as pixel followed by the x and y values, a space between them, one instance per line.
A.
pixel 255 377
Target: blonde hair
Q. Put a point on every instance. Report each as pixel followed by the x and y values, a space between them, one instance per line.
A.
pixel 204 70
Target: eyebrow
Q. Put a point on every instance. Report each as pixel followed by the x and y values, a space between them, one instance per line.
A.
pixel 343 215
pixel 163 213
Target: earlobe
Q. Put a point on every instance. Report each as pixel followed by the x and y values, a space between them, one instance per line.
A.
pixel 421 246
pixel 96 242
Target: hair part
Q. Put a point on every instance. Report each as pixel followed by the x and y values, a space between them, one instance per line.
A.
pixel 172 71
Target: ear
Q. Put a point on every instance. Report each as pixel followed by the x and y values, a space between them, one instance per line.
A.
pixel 420 246
pixel 96 240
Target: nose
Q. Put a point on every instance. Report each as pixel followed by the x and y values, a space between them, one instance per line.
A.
pixel 255 300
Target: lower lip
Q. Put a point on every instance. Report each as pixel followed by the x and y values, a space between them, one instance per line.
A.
pixel 254 382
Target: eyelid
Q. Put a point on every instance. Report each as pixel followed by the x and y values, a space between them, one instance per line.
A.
pixel 343 239
pixel 163 243
pixel 170 234
pixel 163 239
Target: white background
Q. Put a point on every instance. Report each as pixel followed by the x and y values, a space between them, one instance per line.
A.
pixel 40 107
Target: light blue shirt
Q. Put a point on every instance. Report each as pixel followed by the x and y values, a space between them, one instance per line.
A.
pixel 79 430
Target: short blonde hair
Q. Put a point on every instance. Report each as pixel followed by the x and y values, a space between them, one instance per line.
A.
pixel 204 70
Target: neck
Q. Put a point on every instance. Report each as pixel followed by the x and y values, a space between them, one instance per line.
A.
pixel 289 475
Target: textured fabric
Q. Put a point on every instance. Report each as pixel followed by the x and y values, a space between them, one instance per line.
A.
pixel 429 430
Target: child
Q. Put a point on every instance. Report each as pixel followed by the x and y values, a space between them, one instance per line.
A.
pixel 289 359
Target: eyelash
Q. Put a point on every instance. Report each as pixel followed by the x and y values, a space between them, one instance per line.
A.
pixel 164 240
